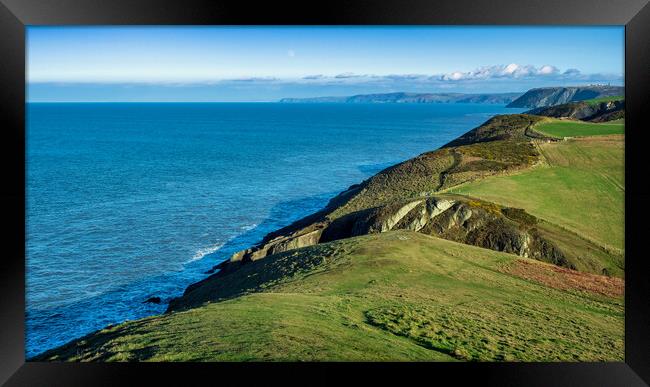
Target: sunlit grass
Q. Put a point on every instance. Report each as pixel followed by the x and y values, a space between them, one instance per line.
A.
pixel 570 128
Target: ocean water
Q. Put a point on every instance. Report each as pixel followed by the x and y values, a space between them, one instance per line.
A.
pixel 127 201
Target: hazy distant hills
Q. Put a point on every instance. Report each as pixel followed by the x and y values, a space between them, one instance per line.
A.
pixel 500 98
pixel 534 98
pixel 549 96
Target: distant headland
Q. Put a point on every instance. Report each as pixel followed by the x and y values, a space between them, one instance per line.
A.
pixel 534 98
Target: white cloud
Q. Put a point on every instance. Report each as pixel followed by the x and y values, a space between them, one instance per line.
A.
pixel 509 74
pixel 512 70
pixel 547 69
pixel 349 75
pixel 252 79
pixel 404 77
pixel 455 76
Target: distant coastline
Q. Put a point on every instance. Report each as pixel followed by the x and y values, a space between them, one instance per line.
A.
pixel 404 97
pixel 533 98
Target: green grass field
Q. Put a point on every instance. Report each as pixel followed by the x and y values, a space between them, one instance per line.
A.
pixel 581 188
pixel 570 128
pixel 392 296
pixel 595 101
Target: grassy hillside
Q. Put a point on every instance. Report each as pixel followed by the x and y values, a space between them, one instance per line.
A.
pixel 316 290
pixel 605 109
pixel 405 196
pixel 581 188
pixel 596 101
pixel 502 144
pixel 392 296
pixel 570 128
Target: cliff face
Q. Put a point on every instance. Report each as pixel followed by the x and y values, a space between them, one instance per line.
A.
pixel 468 221
pixel 549 96
pixel 593 112
pixel 400 97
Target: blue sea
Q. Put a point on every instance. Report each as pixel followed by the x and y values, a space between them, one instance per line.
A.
pixel 131 200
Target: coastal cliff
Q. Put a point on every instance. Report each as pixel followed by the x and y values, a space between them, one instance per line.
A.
pixel 498 146
pixel 413 196
pixel 594 111
pixel 549 96
pixel 402 97
pixel 439 258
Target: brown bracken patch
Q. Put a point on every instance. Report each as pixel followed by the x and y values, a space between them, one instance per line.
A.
pixel 565 279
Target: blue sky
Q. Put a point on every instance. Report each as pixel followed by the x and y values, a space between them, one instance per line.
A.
pixel 267 63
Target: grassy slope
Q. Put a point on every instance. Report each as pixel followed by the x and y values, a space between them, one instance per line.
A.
pixel 422 174
pixel 570 128
pixel 392 296
pixel 595 101
pixel 581 188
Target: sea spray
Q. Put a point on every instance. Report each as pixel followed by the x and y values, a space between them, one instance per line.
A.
pixel 202 252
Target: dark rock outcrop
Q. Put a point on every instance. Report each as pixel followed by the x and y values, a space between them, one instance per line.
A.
pixel 472 222
pixel 594 112
pixel 455 218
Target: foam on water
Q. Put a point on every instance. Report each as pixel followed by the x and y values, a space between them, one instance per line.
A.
pixel 200 253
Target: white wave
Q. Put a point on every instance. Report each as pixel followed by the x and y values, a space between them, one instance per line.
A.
pixel 200 253
pixel 249 227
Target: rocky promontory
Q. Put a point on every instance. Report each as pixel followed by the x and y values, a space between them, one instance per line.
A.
pixel 550 96
pixel 585 110
pixel 402 97
pixel 412 196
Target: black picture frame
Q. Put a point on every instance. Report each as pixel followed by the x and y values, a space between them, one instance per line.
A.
pixel 16 14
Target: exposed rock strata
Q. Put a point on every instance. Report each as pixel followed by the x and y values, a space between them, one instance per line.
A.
pixel 472 222
pixel 459 219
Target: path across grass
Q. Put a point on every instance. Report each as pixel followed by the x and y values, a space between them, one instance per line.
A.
pixel 581 189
